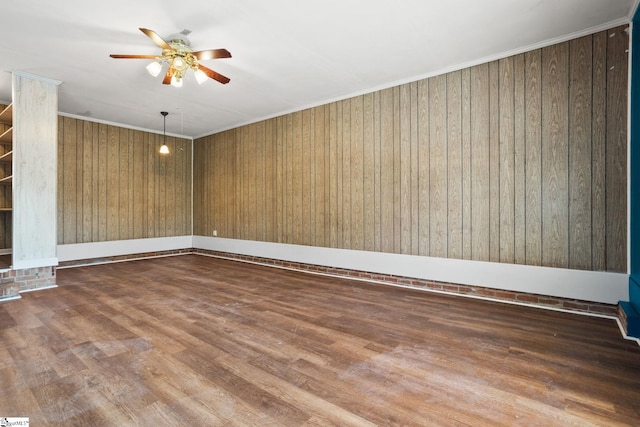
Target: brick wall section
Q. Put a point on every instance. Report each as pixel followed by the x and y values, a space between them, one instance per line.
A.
pixel 12 282
pixel 35 278
pixel 450 288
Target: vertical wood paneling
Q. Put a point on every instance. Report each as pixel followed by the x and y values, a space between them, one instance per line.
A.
pixel 242 164
pixel 368 171
pixel 479 113
pixel 506 166
pixel 580 72
pixel 252 167
pixel 71 181
pixel 405 168
pixel 397 173
pixel 297 213
pixel 280 177
pixel 122 171
pixel 494 161
pixel 345 176
pixel 61 170
pixel 201 147
pixel 307 191
pixel 423 165
pixel 465 90
pixel 161 193
pixel 168 188
pixel 103 211
pixel 415 171
pixel 438 231
pixel 87 182
pixel 269 181
pixel 520 160
pixel 109 186
pixel 533 156
pixel 454 165
pixel 598 148
pixel 139 186
pixel 113 177
pixel 261 145
pixel 555 218
pixel 334 172
pixel 377 172
pixel 356 178
pixel 616 179
pixel 387 173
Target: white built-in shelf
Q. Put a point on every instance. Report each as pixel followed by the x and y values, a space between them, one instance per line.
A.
pixel 6 179
pixel 6 115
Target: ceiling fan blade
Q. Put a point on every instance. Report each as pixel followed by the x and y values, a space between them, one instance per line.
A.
pixel 156 38
pixel 167 77
pixel 134 56
pixel 211 54
pixel 215 76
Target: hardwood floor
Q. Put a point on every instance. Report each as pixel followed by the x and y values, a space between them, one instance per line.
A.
pixel 192 340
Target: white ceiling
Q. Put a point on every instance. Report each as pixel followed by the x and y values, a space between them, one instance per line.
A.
pixel 287 54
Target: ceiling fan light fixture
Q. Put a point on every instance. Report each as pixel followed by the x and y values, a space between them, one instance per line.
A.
pixel 176 80
pixel 179 56
pixel 154 68
pixel 201 76
pixel 179 63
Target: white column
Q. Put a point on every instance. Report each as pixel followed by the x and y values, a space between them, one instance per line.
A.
pixel 35 153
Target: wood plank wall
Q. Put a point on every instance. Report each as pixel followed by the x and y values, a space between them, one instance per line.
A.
pixel 114 185
pixel 520 160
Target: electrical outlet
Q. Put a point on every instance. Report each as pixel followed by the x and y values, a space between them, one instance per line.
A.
pixel 215 233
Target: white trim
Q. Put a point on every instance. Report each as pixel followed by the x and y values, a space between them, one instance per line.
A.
pixel 11 298
pixel 120 125
pixel 22 291
pixel 34 263
pixel 593 286
pixel 79 251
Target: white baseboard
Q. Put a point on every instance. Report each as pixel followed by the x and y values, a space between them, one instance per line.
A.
pixel 602 287
pixel 79 251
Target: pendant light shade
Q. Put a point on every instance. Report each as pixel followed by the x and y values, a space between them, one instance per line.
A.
pixel 154 68
pixel 164 149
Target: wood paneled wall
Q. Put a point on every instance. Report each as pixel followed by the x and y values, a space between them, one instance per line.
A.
pixel 114 185
pixel 520 160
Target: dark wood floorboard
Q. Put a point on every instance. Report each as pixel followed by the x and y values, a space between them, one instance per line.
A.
pixel 194 340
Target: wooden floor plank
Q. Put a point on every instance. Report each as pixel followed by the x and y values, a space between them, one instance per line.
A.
pixel 196 340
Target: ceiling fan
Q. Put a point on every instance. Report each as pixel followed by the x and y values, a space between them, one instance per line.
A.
pixel 179 56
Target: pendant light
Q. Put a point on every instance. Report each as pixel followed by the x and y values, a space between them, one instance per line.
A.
pixel 164 149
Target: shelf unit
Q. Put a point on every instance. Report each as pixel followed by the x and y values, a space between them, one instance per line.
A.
pixel 6 139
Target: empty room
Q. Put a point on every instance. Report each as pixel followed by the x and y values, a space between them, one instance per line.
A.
pixel 409 213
